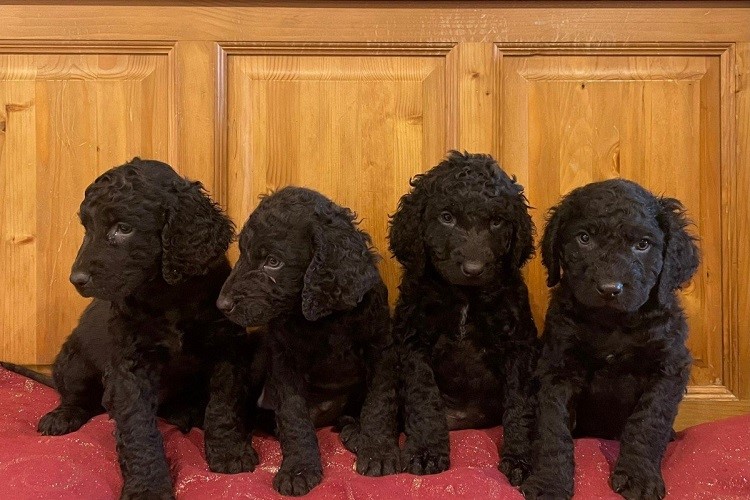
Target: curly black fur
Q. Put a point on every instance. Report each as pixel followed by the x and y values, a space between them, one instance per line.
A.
pixel 463 318
pixel 307 272
pixel 614 362
pixel 153 259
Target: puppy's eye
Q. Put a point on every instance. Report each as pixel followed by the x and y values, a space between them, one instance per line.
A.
pixel 272 263
pixel 119 232
pixel 447 218
pixel 583 238
pixel 496 223
pixel 643 245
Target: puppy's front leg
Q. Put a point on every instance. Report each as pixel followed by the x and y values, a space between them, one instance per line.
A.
pixel 301 469
pixel 377 440
pixel 518 412
pixel 131 397
pixel 648 430
pixel 427 448
pixel 552 460
pixel 228 429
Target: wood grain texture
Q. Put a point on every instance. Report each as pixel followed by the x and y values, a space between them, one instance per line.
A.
pixel 352 128
pixel 65 127
pixel 394 21
pixel 739 266
pixel 597 117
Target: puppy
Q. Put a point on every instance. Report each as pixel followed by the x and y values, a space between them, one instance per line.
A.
pixel 153 260
pixel 614 362
pixel 307 273
pixel 463 319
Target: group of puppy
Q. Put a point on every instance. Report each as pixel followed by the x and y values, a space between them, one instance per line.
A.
pixel 299 335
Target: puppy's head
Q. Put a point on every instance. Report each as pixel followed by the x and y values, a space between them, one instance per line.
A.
pixel 145 222
pixel 299 253
pixel 616 245
pixel 466 218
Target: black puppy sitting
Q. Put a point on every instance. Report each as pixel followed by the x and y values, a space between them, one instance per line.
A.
pixel 463 317
pixel 153 259
pixel 308 273
pixel 614 362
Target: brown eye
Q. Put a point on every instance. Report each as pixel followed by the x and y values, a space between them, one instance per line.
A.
pixel 584 238
pixel 123 228
pixel 272 263
pixel 447 218
pixel 496 223
pixel 643 245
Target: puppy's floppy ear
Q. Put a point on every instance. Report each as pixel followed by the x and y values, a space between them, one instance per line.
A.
pixel 196 232
pixel 681 254
pixel 523 238
pixel 405 238
pixel 342 269
pixel 551 245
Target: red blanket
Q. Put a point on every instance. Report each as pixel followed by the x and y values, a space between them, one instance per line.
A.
pixel 705 462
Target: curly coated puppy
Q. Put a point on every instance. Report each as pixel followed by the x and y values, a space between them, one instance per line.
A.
pixel 307 273
pixel 153 259
pixel 463 319
pixel 614 362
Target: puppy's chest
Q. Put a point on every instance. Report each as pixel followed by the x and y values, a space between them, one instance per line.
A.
pixel 618 350
pixel 469 346
pixel 335 363
pixel 469 324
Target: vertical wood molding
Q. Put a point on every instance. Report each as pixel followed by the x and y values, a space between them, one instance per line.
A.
pixel 740 264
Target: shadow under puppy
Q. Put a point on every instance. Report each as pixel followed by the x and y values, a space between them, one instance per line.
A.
pixel 308 273
pixel 153 259
pixel 614 362
pixel 463 318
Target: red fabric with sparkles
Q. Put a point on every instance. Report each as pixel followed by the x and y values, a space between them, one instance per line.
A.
pixel 705 462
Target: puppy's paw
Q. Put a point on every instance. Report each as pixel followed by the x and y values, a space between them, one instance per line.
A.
pixel 638 482
pixel 184 419
pixel 378 460
pixel 425 461
pixel 537 487
pixel 130 492
pixel 62 420
pixel 515 469
pixel 232 459
pixel 348 429
pixel 297 480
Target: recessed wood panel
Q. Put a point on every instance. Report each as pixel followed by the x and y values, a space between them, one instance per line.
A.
pixel 569 120
pixel 354 128
pixel 66 119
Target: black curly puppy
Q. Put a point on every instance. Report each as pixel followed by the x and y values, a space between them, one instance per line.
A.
pixel 614 362
pixel 308 273
pixel 153 259
pixel 463 317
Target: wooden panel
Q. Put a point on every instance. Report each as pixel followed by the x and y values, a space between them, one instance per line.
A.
pixel 353 128
pixel 572 119
pixel 381 21
pixel 69 118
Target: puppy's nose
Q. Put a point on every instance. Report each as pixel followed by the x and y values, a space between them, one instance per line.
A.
pixel 79 278
pixel 472 268
pixel 609 290
pixel 225 304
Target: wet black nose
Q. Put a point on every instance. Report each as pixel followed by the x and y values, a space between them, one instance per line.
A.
pixel 225 304
pixel 79 278
pixel 609 290
pixel 472 268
